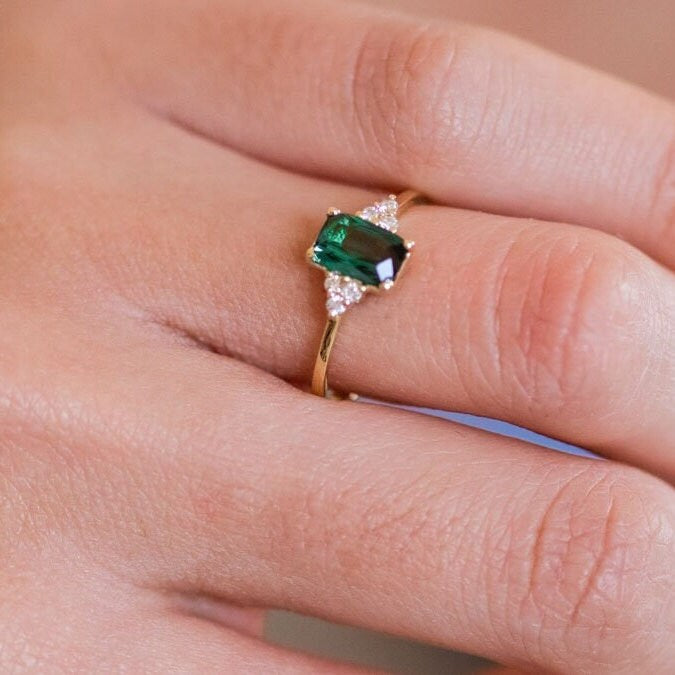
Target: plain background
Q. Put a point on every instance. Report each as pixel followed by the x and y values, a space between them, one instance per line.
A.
pixel 634 39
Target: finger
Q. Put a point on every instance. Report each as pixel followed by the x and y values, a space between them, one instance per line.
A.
pixel 366 516
pixel 471 117
pixel 114 626
pixel 560 329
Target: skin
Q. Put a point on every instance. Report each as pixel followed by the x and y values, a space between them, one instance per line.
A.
pixel 165 477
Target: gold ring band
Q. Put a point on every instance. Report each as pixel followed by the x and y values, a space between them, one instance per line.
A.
pixel 359 253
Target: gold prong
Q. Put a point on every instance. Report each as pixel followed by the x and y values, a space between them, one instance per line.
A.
pixel 409 244
pixel 310 253
pixel 333 211
pixel 387 284
pixel 392 197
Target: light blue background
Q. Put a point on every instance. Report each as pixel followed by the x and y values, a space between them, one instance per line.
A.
pixel 506 429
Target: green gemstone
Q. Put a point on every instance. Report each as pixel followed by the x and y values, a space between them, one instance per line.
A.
pixel 356 248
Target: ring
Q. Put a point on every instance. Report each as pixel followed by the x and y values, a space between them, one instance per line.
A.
pixel 359 254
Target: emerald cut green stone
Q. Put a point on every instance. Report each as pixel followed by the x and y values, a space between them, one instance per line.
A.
pixel 357 248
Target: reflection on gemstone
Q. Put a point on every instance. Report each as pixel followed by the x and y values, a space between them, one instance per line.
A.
pixel 385 269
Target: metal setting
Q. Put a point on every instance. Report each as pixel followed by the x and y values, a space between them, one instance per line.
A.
pixel 343 291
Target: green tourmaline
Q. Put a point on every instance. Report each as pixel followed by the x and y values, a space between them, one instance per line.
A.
pixel 356 248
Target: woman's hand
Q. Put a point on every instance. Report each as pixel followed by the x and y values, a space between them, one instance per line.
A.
pixel 163 167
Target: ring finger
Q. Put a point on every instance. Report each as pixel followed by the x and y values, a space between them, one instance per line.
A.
pixel 559 328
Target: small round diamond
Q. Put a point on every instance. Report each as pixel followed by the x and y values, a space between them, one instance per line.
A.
pixel 382 214
pixel 335 306
pixel 332 281
pixel 388 223
pixel 388 206
pixel 369 213
pixel 351 291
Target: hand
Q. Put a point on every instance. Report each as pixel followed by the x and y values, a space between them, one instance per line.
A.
pixel 163 167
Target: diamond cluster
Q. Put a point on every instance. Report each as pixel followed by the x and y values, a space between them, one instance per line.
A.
pixel 382 214
pixel 342 292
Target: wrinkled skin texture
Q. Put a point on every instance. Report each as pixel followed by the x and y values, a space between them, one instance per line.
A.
pixel 165 477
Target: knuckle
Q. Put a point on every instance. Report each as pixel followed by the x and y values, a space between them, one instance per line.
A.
pixel 349 525
pixel 568 310
pixel 599 582
pixel 404 92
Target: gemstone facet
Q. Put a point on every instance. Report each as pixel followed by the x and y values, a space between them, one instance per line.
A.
pixel 356 248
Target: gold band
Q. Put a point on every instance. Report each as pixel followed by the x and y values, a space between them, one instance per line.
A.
pixel 405 200
pixel 319 376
